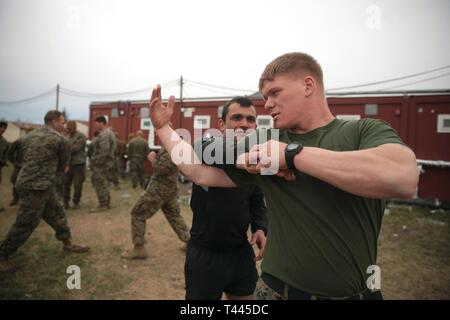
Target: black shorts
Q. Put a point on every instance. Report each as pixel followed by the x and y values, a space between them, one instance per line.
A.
pixel 208 273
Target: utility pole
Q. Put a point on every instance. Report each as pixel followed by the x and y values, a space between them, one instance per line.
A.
pixel 181 91
pixel 57 96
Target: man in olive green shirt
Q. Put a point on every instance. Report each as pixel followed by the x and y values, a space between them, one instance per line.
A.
pixel 324 196
pixel 137 155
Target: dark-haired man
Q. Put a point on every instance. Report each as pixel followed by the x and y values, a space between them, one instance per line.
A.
pixel 77 168
pixel 103 148
pixel 137 152
pixel 220 258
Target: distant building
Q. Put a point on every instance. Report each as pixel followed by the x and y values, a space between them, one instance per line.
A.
pixel 83 126
pixel 17 130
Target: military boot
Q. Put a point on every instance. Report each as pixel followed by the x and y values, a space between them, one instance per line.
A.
pixel 69 247
pixel 138 252
pixel 100 208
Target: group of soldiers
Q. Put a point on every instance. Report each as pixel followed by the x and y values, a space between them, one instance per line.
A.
pixel 107 155
pixel 50 160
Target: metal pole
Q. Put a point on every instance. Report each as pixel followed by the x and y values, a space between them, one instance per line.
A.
pixel 181 91
pixel 57 96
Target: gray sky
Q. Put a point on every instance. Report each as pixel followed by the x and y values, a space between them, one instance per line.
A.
pixel 115 46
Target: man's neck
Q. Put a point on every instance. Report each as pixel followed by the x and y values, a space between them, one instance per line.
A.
pixel 51 127
pixel 317 117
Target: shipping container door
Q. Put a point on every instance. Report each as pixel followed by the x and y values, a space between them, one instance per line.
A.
pixel 432 142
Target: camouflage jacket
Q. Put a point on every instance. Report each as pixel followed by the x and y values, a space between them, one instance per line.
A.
pixel 4 145
pixel 164 170
pixel 45 153
pixel 138 148
pixel 77 143
pixel 103 148
pixel 15 153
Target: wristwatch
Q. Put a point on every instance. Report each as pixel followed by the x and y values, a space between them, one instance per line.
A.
pixel 291 150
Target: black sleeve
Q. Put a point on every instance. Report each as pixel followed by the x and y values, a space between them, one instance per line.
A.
pixel 217 151
pixel 258 211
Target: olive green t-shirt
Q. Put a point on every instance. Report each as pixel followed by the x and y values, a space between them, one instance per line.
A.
pixel 322 239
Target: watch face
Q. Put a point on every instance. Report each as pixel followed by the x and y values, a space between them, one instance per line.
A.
pixel 292 146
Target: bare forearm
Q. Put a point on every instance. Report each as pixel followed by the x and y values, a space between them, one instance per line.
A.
pixel 181 152
pixel 183 155
pixel 376 173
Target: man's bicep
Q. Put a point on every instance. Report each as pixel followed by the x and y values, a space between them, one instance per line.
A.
pixel 396 151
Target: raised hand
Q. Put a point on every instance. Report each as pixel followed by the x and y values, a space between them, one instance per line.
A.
pixel 159 113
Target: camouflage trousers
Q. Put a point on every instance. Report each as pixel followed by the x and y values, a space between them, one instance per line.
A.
pixel 34 205
pixel 138 172
pixel 59 185
pixel 148 204
pixel 113 173
pixel 264 292
pixel 75 176
pixel 99 181
pixel 14 176
pixel 121 164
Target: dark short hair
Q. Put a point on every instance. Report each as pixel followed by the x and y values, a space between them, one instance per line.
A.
pixel 52 115
pixel 242 101
pixel 3 124
pixel 101 119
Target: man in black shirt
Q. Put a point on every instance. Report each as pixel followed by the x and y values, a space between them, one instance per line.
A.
pixel 219 256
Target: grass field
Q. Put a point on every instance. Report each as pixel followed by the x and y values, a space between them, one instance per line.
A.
pixel 414 253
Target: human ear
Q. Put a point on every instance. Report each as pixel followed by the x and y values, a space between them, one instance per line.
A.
pixel 309 86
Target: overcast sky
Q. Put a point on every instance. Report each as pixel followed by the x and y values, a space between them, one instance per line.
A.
pixel 117 46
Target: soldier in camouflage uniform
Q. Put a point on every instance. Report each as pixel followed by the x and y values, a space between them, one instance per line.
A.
pixel 77 165
pixel 161 193
pixel 60 175
pixel 102 151
pixel 137 155
pixel 46 152
pixel 113 170
pixel 3 151
pixel 121 151
pixel 15 156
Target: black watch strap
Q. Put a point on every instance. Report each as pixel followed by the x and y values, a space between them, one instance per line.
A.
pixel 291 150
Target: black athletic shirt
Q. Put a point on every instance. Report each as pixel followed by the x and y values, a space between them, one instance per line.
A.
pixel 221 216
